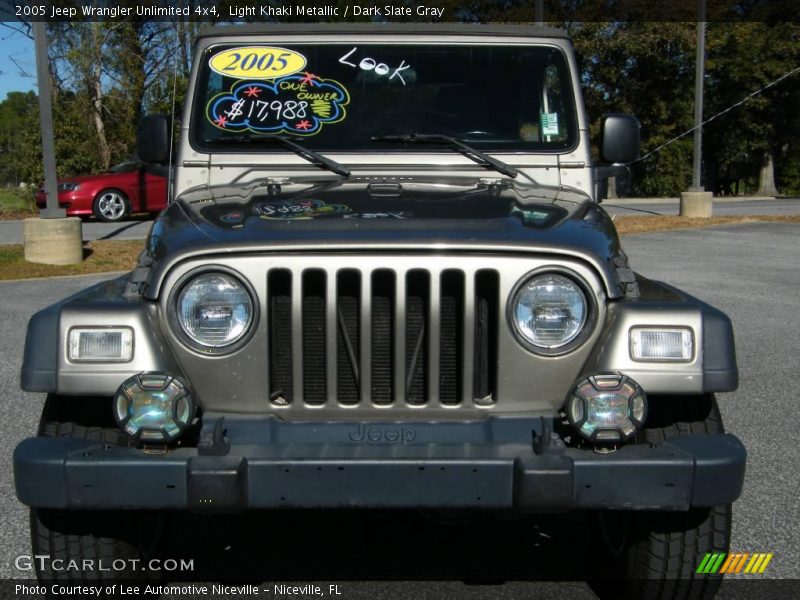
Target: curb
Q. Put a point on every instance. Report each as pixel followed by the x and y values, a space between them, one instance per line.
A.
pixel 716 200
pixel 98 274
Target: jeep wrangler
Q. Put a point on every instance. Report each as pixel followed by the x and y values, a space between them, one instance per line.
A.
pixel 384 281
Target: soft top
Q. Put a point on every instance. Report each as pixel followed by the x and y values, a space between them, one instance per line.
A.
pixel 476 29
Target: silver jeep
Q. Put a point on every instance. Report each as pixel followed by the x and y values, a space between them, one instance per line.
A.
pixel 385 281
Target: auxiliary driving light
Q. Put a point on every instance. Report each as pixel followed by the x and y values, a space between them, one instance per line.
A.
pixel 607 408
pixel 153 407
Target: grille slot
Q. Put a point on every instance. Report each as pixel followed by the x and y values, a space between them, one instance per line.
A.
pixel 382 337
pixel 450 320
pixel 487 287
pixel 314 336
pixel 347 337
pixel 382 333
pixel 416 332
pixel 279 294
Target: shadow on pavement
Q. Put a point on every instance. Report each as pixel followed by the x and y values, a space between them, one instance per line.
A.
pixel 353 545
pixel 128 225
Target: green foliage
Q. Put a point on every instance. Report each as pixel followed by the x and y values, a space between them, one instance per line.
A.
pixel 789 170
pixel 647 69
pixel 14 201
pixel 742 58
pixel 644 69
pixel 18 114
pixel 668 175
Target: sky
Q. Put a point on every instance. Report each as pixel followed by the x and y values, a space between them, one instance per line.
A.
pixel 17 62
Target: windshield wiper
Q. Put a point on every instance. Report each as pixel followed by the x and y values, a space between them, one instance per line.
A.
pixel 306 153
pixel 437 138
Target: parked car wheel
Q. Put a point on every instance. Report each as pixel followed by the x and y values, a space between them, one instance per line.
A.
pixel 94 536
pixel 111 206
pixel 664 549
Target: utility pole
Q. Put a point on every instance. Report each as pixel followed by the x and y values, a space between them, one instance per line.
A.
pixel 539 12
pixel 699 72
pixel 696 202
pixel 52 211
pixel 53 239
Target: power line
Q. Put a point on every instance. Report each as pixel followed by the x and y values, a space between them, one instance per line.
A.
pixel 22 71
pixel 719 114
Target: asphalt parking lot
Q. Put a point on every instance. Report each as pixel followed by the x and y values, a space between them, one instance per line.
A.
pixel 749 271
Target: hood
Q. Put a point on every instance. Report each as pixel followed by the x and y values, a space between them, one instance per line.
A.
pixel 384 214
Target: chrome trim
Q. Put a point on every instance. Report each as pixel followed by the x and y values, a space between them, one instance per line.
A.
pixel 433 330
pixel 298 390
pixel 365 336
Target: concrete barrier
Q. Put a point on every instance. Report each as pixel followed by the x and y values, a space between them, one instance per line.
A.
pixel 53 241
pixel 696 204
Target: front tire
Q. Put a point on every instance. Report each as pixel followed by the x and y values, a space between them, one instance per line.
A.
pixel 111 206
pixel 99 537
pixel 666 548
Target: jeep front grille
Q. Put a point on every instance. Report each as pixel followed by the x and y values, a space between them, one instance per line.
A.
pixel 382 337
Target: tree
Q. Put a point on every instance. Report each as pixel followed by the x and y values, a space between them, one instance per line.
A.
pixel 17 116
pixel 116 65
pixel 646 69
pixel 743 58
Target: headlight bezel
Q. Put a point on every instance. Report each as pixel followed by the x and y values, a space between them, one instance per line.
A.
pixel 155 383
pixel 589 324
pixel 601 383
pixel 174 318
pixel 69 186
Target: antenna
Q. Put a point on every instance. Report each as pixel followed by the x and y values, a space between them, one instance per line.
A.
pixel 171 180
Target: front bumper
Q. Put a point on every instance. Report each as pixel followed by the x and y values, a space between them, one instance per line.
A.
pixel 391 472
pixel 74 203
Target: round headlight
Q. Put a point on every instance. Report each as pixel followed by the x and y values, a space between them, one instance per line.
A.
pixel 549 311
pixel 214 310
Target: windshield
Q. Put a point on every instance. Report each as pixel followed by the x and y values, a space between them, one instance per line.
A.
pixel 341 97
pixel 127 166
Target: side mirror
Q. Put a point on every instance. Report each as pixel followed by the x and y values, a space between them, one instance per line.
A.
pixel 153 139
pixel 619 138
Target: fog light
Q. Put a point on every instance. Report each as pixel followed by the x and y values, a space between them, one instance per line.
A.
pixel 607 408
pixel 153 407
pixel 100 344
pixel 661 344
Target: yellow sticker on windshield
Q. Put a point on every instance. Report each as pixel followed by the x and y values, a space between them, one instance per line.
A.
pixel 257 62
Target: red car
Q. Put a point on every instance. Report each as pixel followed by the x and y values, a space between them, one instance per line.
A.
pixel 127 188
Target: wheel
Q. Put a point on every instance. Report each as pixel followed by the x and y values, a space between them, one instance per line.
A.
pixel 106 539
pixel 111 206
pixel 664 549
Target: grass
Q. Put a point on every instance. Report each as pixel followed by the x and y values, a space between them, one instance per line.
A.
pixel 105 256
pixel 16 204
pixel 628 225
pixel 101 256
